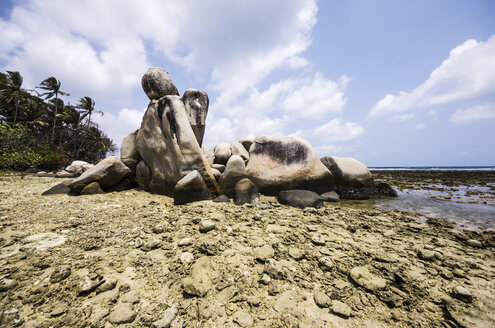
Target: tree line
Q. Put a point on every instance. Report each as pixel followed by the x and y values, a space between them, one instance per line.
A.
pixel 38 129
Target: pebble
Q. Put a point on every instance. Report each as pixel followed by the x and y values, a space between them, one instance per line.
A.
pixel 184 242
pixel 429 255
pixel 167 318
pixel 341 309
pixel 318 240
pixel 86 285
pixel 264 206
pixel 122 313
pixel 60 273
pixel 326 263
pixel 459 273
pixel 206 225
pixel 321 299
pixel 474 243
pixel 186 258
pixel 159 228
pixel 242 318
pixel 273 288
pixel 364 278
pixel 296 253
pixel 138 242
pixel 109 284
pixel 263 253
pixel 462 294
pixel 58 310
pixel 273 269
pixel 265 279
pixel 7 284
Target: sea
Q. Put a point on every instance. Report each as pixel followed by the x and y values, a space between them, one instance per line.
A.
pixel 459 208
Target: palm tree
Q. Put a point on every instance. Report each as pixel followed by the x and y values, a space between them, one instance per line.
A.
pixel 87 107
pixel 52 87
pixel 10 87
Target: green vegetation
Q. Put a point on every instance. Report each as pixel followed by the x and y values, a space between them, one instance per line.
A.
pixel 40 130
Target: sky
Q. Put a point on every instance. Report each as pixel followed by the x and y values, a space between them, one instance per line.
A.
pixel 389 82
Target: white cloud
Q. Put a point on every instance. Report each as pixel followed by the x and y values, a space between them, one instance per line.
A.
pixel 468 73
pixel 420 126
pixel 336 130
pixel 275 110
pixel 475 113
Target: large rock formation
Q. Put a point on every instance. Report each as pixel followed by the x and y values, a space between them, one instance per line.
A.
pixel 166 147
pixel 353 179
pixel 281 163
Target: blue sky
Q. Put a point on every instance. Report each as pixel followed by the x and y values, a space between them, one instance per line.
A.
pixel 392 83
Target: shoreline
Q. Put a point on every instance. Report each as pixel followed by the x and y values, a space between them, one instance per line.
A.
pixel 281 266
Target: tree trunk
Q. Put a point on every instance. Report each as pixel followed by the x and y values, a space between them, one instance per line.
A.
pixel 55 117
pixel 16 108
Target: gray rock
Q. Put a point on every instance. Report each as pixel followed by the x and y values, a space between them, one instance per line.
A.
pixel 221 199
pixel 157 83
pixel 296 253
pixel 216 173
pixel 201 278
pixel 108 284
pixel 242 318
pixel 384 189
pixel 206 225
pixel 122 313
pixel 474 243
pixel 58 189
pixel 78 167
pixel 321 299
pixel 123 185
pixel 92 188
pixel 246 142
pixel 273 269
pixel 107 173
pixel 222 153
pixel 186 257
pixel 283 163
pixel 326 263
pixel 65 174
pixel 263 253
pixel 168 146
pixel 6 284
pixel 364 278
pixel 196 103
pixel 429 255
pixel 60 273
pixel 143 175
pixel 341 309
pixel 353 179
pixel 265 279
pixel 191 188
pixel 317 239
pixel 462 294
pixel 129 153
pixel 238 149
pixel 167 317
pixel 300 198
pixel 219 167
pixel 330 196
pixel 235 170
pixel 245 192
pixel 86 285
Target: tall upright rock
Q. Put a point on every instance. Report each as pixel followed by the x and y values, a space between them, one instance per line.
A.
pixel 166 147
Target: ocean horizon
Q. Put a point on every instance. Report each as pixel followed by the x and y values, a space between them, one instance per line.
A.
pixel 435 168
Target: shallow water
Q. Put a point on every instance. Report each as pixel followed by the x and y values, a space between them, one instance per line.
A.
pixel 470 216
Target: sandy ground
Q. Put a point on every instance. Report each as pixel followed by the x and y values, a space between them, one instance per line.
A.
pixel 133 259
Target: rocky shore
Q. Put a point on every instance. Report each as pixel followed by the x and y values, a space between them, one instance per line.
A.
pixel 134 259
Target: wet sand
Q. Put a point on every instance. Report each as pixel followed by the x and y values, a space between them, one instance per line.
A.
pixel 133 259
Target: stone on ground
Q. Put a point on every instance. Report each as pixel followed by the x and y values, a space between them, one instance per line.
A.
pixel 191 188
pixel 364 278
pixel 245 192
pixel 300 198
pixel 330 196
